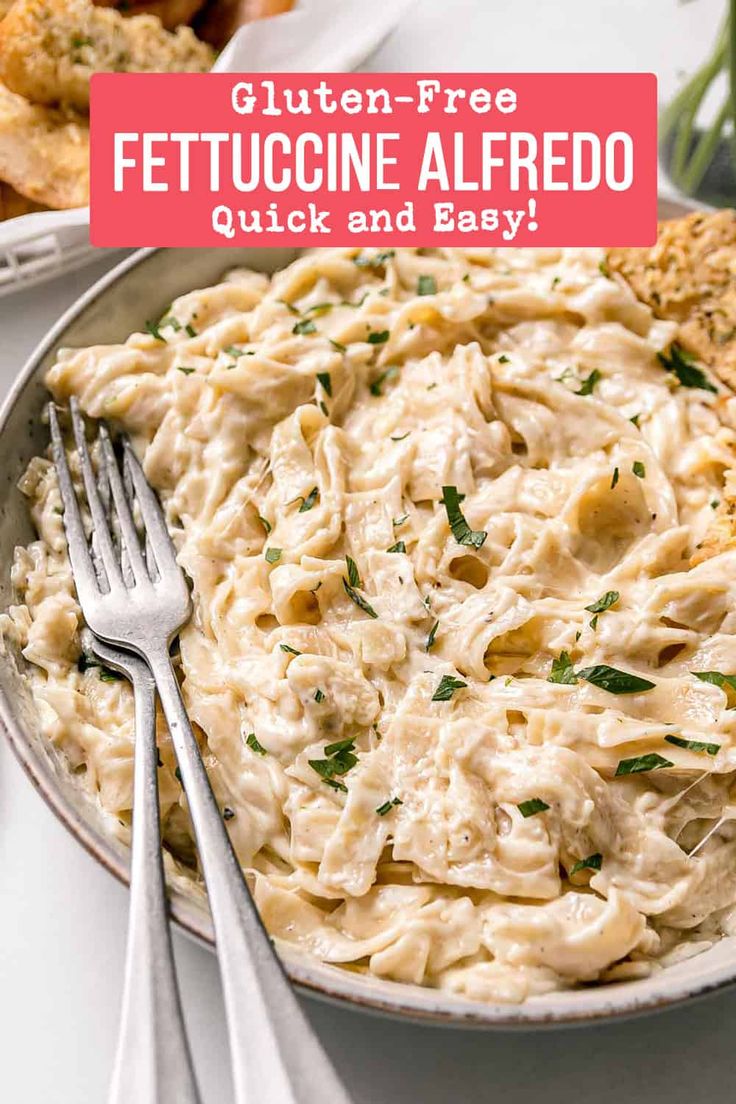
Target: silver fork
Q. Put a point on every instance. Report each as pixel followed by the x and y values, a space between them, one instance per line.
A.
pixel 153 1064
pixel 276 1056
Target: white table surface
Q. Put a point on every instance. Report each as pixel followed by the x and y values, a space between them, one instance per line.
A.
pixel 62 918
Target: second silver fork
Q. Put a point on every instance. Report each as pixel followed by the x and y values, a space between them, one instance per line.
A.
pixel 276 1056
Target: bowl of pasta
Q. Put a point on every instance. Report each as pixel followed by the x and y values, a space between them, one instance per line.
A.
pixel 459 528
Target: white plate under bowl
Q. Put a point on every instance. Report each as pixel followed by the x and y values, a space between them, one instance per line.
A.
pixel 141 288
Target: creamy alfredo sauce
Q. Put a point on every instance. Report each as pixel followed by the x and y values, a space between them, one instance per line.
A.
pixel 427 500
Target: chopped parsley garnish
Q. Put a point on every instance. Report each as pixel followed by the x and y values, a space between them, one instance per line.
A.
pixel 397 521
pixel 186 371
pixel 693 745
pixel 461 531
pixel 338 346
pixel 375 387
pixel 634 419
pixel 641 763
pixel 639 470
pixel 614 478
pixel 681 365
pixel 593 862
pixel 153 330
pixel 402 437
pixel 319 696
pixel 398 547
pixel 588 384
pixel 532 806
pixel 605 602
pixel 562 670
pixel 378 337
pixel 108 675
pixel 254 745
pixel 326 381
pixel 304 326
pixel 190 330
pixel 273 555
pixel 227 813
pixel 447 687
pixel 288 648
pixel 353 573
pixel 432 635
pixel 339 759
pixel 426 285
pixel 387 806
pixel 265 523
pixel 359 600
pixel 234 351
pixel 318 309
pixel 604 269
pixel 378 260
pixel 289 306
pixel 170 320
pixel 309 501
pixel 717 679
pixel 615 681
pixel 503 359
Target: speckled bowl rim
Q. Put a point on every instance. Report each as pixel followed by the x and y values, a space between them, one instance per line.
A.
pixel 711 971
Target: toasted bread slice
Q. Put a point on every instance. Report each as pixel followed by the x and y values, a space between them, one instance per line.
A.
pixel 13 204
pixel 44 152
pixel 50 48
pixel 689 276
pixel 172 13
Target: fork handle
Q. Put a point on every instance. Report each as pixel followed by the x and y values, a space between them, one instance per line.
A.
pixel 276 1055
pixel 152 1063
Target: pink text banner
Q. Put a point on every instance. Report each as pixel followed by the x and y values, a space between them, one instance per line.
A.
pixel 460 160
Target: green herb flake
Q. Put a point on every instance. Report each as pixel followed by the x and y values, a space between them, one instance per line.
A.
pixel 338 346
pixel 389 374
pixel 318 696
pixel 687 372
pixel 642 763
pixel 402 437
pixel 288 648
pixel 359 600
pixel 153 330
pixel 326 381
pixel 108 675
pixel 604 602
pixel 635 420
pixel 190 330
pixel 265 523
pixel 289 306
pixel 503 359
pixel 562 670
pixel 426 285
pixel 593 862
pixel 693 745
pixel 377 260
pixel 587 385
pixel 378 337
pixel 461 531
pixel 398 547
pixel 273 555
pixel 397 521
pixel 387 806
pixel 309 501
pixel 304 326
pixel 353 573
pixel 531 807
pixel 447 686
pixel 614 478
pixel 430 639
pixel 615 681
pixel 639 470
pixel 254 745
pixel 717 679
pixel 339 759
pixel 186 371
pixel 604 269
pixel 170 320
